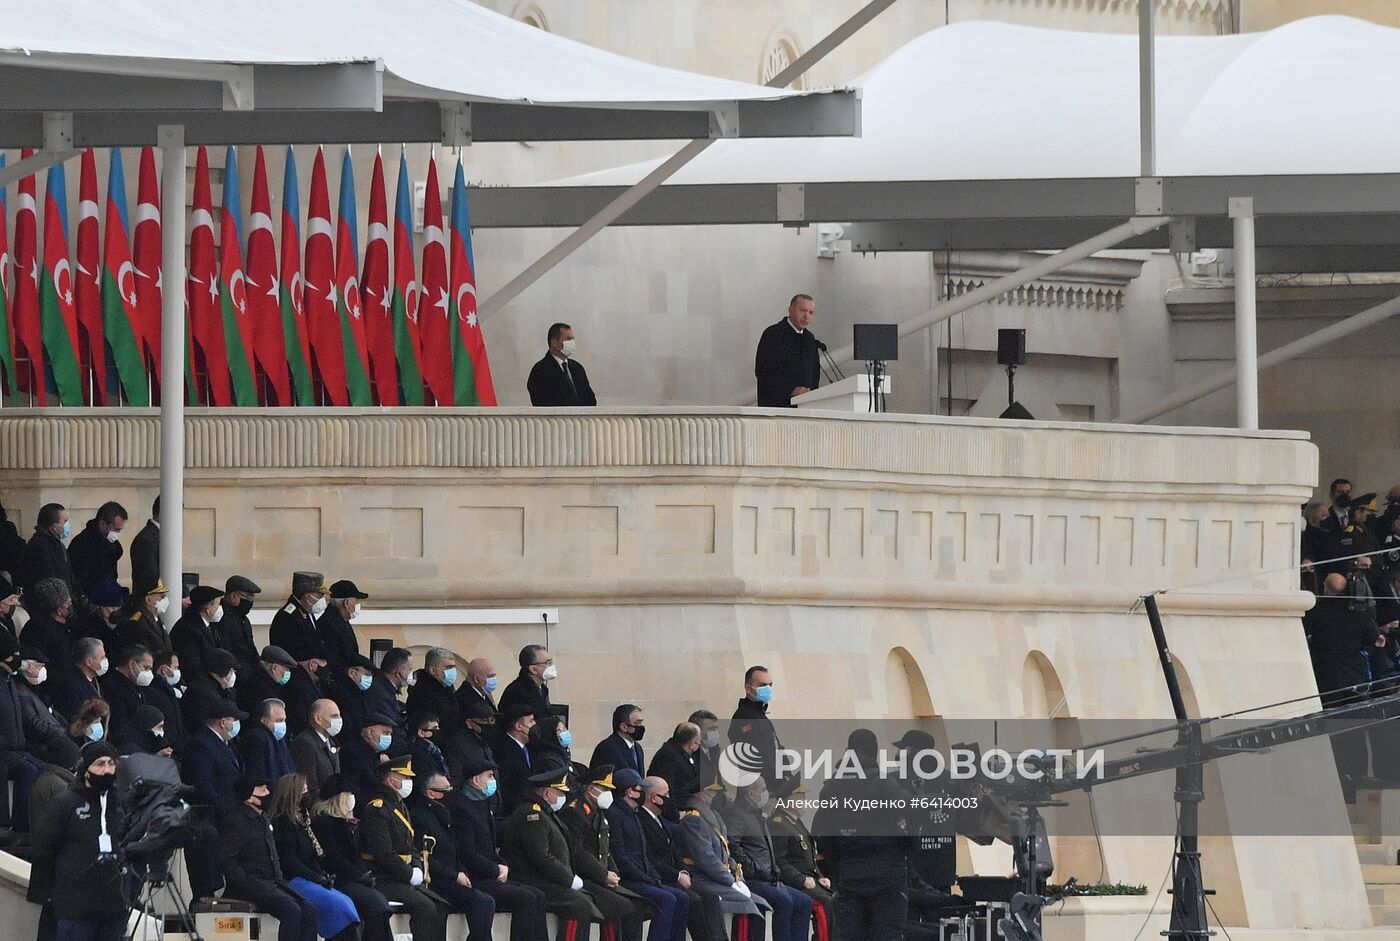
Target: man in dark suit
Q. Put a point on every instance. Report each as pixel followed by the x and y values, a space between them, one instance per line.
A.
pixel 337 634
pixel 383 694
pixel 248 856
pixel 79 684
pixel 665 846
pixel 634 867
pixel 315 752
pixel 530 689
pixel 349 692
pixel 513 756
pixel 479 687
pixel 124 688
pixel 234 632
pixel 145 550
pixel 621 749
pixel 1338 514
pixel 193 635
pixel 44 554
pixel 433 693
pixel 471 744
pixel 786 363
pixel 210 766
pixel 675 761
pixel 94 552
pixel 262 742
pixel 277 676
pixel 557 379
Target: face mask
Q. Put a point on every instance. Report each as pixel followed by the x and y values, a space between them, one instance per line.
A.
pixel 712 739
pixel 449 677
pixel 42 675
pixel 95 731
pixel 760 799
pixel 111 535
pixel 764 694
pixel 605 800
pixel 319 608
pixel 158 733
pixel 100 782
pixel 490 788
pixel 231 678
pixel 405 789
pixel 383 743
pixel 490 684
pixel 364 681
pixel 638 731
pixel 144 678
pixel 102 667
pixel 217 616
pixel 244 606
pixel 550 672
pixel 174 678
pixel 412 680
pixel 350 807
pixel 163 605
pixel 336 725
pixel 557 804
pixel 566 738
pixel 353 614
pixel 237 727
pixel 285 678
pixel 279 730
pixel 67 530
pixel 569 348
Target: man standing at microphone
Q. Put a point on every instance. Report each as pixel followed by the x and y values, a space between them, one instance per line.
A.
pixel 786 364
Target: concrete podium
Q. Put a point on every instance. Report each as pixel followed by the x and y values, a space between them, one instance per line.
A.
pixel 851 394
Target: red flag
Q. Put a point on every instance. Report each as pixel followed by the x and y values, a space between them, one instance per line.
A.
pixel 264 309
pixel 322 318
pixel 433 300
pixel 29 336
pixel 378 295
pixel 145 253
pixel 88 292
pixel 206 315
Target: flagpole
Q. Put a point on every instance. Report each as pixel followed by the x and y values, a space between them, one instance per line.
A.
pixel 171 140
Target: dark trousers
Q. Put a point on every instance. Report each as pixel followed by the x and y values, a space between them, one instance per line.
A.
pixel 296 917
pixel 821 912
pixel 479 908
pixel 201 864
pixel 672 910
pixel 48 925
pixel 706 916
pixel 871 913
pixel 427 917
pixel 23 769
pixel 373 908
pixel 93 929
pixel 792 910
pixel 524 903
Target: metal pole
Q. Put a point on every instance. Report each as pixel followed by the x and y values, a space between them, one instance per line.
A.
pixel 1329 334
pixel 644 187
pixel 1147 85
pixel 1246 330
pixel 171 140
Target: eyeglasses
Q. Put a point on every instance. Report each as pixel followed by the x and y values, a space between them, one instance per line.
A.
pixel 543 663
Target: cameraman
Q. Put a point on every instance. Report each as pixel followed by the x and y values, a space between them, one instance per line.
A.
pixel 74 868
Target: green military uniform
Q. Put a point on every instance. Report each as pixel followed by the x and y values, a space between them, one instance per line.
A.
pixel 591 844
pixel 389 845
pixel 795 852
pixel 537 849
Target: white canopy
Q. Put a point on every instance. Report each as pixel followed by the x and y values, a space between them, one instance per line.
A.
pixel 154 56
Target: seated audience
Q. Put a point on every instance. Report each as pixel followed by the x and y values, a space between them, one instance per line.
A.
pixel 78 684
pixel 247 854
pixel 315 751
pixel 300 854
pixel 261 742
pixel 333 824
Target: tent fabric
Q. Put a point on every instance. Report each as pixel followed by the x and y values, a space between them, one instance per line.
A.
pixel 449 49
pixel 989 101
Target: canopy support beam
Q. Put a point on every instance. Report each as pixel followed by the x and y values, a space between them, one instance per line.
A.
pixel 1246 330
pixel 1147 85
pixel 1329 334
pixel 644 187
pixel 171 140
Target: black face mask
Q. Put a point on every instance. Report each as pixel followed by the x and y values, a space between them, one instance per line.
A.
pixel 638 732
pixel 100 782
pixel 244 606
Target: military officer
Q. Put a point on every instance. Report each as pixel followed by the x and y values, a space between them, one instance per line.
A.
pixel 587 823
pixel 294 627
pixel 538 851
pixel 798 865
pixel 707 859
pixel 391 848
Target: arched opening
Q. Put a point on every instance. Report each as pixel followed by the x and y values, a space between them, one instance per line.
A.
pixel 906 690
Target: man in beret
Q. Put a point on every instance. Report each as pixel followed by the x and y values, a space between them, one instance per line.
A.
pixel 396 854
pixel 192 637
pixel 276 675
pixel 334 626
pixel 295 626
pixel 512 754
pixel 538 850
pixel 252 872
pixel 235 632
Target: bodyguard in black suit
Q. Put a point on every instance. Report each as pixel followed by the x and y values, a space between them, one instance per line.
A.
pixel 557 379
pixel 786 363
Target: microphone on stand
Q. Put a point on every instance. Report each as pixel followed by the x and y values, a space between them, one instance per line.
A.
pixel 834 369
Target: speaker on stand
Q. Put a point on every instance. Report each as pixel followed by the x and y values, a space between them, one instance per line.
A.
pixel 1011 353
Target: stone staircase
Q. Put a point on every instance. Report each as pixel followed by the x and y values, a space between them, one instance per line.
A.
pixel 1378 850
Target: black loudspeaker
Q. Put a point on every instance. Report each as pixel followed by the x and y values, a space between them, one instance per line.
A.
pixel 876 341
pixel 188 580
pixel 1011 347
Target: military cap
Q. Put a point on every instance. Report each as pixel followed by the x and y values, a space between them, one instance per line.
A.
pixel 271 654
pixel 242 583
pixel 200 595
pixel 401 765
pixel 302 582
pixel 628 778
pixel 346 589
pixel 476 764
pixel 556 777
pixel 714 786
pixel 1367 501
pixel 157 589
pixel 602 776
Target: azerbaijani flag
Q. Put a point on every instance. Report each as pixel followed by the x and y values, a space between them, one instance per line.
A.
pixel 88 287
pixel 433 302
pixel 322 318
pixel 29 337
pixel 57 315
pixel 405 306
pixel 471 373
pixel 121 319
pixel 289 291
pixel 145 250
pixel 378 295
pixel 349 309
pixel 233 291
pixel 206 326
pixel 7 333
pixel 264 300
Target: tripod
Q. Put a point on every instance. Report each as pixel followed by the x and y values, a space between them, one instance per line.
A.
pixel 158 882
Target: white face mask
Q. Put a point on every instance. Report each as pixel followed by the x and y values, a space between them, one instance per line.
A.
pixel 355 613
pixel 336 725
pixel 231 678
pixel 43 675
pixel 174 678
pixel 605 800
pixel 557 804
pixel 144 677
pixel 405 789
pixel 550 672
pixel 712 739
pixel 163 605
pixel 350 807
pixel 102 667
pixel 217 616
pixel 569 347
pixel 319 608
pixel 111 535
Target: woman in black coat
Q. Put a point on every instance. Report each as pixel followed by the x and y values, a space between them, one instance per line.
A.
pixel 332 825
pixel 73 866
pixel 549 744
